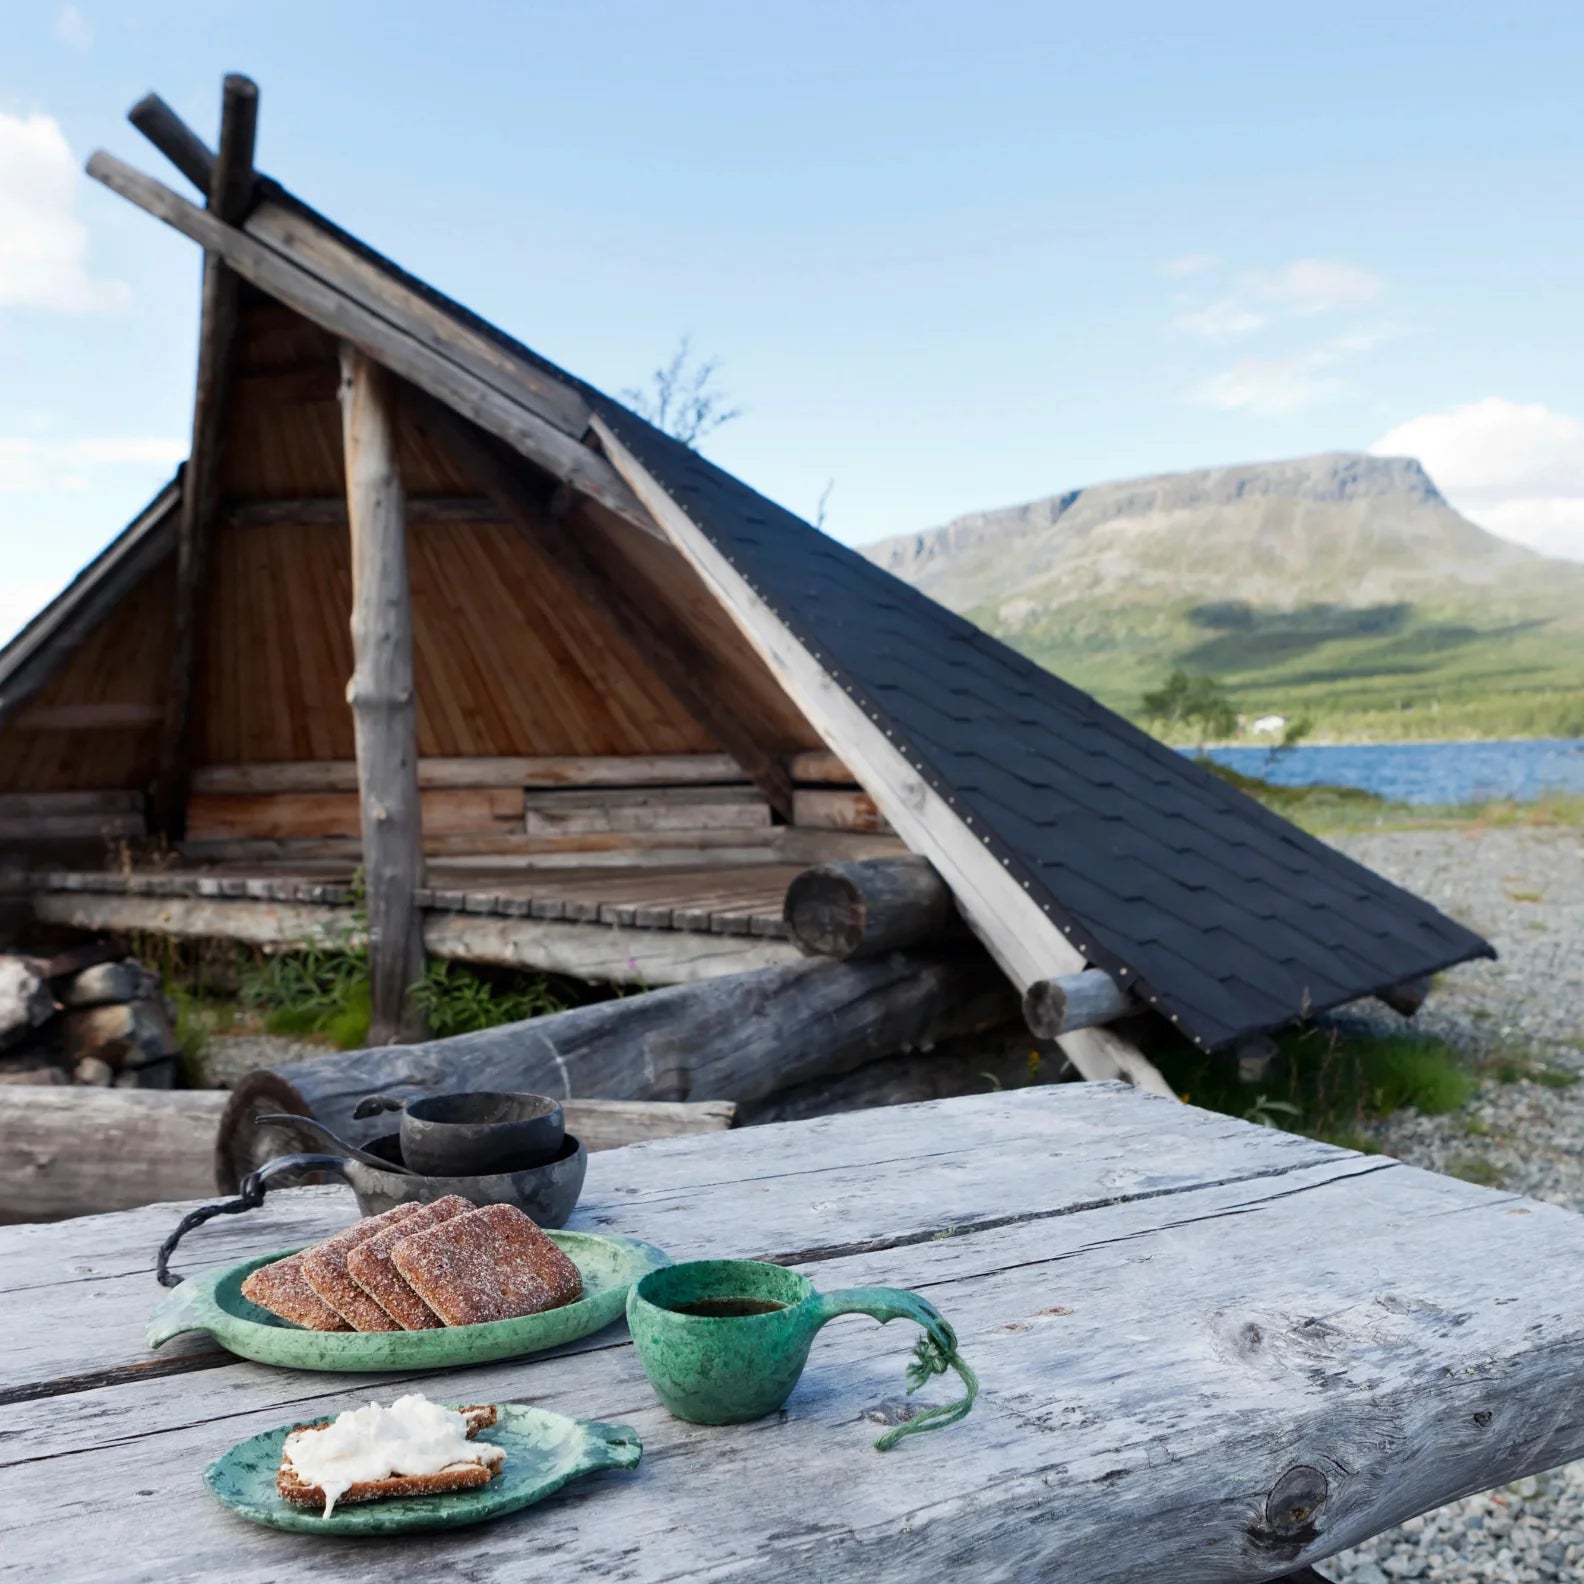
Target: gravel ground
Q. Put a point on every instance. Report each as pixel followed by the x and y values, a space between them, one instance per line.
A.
pixel 1524 891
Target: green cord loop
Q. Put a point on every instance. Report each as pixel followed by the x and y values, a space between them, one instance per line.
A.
pixel 930 1358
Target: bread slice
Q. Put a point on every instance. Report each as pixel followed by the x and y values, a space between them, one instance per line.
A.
pixel 326 1269
pixel 282 1288
pixel 459 1476
pixel 490 1264
pixel 371 1267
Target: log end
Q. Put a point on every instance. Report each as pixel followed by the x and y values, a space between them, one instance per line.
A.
pixel 824 913
pixel 1045 1008
pixel 240 1145
pixel 1406 998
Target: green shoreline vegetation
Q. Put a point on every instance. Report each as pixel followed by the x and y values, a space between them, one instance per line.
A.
pixel 1432 677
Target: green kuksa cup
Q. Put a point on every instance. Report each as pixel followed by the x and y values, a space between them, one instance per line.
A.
pixel 739 1352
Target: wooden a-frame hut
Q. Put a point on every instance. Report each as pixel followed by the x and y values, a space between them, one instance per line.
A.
pixel 605 700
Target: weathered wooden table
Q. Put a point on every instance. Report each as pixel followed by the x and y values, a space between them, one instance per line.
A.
pixel 1210 1352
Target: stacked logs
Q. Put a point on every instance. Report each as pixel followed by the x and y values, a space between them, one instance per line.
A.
pixel 857 910
pixel 89 1016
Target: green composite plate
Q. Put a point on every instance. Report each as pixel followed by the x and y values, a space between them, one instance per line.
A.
pixel 543 1452
pixel 214 1303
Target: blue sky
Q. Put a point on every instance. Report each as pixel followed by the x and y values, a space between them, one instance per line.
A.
pixel 950 257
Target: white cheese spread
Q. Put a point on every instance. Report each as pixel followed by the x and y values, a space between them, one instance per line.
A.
pixel 413 1436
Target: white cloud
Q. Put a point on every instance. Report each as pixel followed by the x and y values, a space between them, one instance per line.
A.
pixel 73 29
pixel 1286 384
pixel 1188 264
pixel 43 245
pixel 1515 468
pixel 1301 289
pixel 1222 321
pixel 1311 286
pixel 49 466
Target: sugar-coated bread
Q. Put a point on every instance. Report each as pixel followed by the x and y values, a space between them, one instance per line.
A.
pixel 325 1266
pixel 489 1264
pixel 282 1288
pixel 370 1264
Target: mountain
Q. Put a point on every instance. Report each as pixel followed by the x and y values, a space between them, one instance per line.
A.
pixel 1341 586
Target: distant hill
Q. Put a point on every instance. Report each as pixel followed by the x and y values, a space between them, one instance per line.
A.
pixel 1340 586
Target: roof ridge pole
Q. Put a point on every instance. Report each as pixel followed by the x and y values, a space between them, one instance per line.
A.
pixel 382 694
pixel 231 181
pixel 175 139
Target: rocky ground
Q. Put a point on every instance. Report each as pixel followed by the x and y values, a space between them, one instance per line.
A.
pixel 1521 1019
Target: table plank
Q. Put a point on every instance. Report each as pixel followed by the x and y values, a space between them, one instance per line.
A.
pixel 73 1302
pixel 1156 1357
pixel 1138 1396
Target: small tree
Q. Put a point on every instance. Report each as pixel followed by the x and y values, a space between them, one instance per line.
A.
pixel 1292 735
pixel 681 399
pixel 1195 702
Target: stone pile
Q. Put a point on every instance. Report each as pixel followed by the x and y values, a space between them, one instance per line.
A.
pixel 89 1015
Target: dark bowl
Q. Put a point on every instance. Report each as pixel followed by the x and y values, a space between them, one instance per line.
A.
pixel 547 1193
pixel 470 1134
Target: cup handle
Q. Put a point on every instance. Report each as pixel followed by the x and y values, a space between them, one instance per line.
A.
pixel 934 1353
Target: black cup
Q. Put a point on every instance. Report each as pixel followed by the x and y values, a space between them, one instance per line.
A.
pixel 466 1135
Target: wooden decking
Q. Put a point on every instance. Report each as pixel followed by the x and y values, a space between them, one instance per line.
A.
pixel 637 925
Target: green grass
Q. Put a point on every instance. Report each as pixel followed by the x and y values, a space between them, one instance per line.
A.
pixel 317 992
pixel 323 993
pixel 1475 1169
pixel 455 999
pixel 1385 673
pixel 1331 1083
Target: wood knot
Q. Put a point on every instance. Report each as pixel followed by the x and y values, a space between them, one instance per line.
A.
pixel 1294 1500
pixel 1483 1418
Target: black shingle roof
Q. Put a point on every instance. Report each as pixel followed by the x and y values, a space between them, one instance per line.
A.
pixel 1229 919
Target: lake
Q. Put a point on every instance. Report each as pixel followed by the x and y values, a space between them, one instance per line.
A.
pixel 1435 772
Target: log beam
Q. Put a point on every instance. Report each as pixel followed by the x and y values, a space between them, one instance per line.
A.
pixel 1406 998
pixel 609 585
pixel 230 190
pixel 175 140
pixel 849 910
pixel 84 1151
pixel 737 1038
pixel 382 694
pixel 531 419
pixel 1053 1007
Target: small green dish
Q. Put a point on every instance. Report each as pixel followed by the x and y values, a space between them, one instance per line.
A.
pixel 213 1302
pixel 543 1452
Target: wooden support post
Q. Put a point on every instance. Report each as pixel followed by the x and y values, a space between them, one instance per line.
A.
pixel 230 191
pixel 860 909
pixel 1053 1007
pixel 1407 997
pixel 609 585
pixel 382 694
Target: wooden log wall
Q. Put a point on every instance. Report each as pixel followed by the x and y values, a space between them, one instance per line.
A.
pixel 513 804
